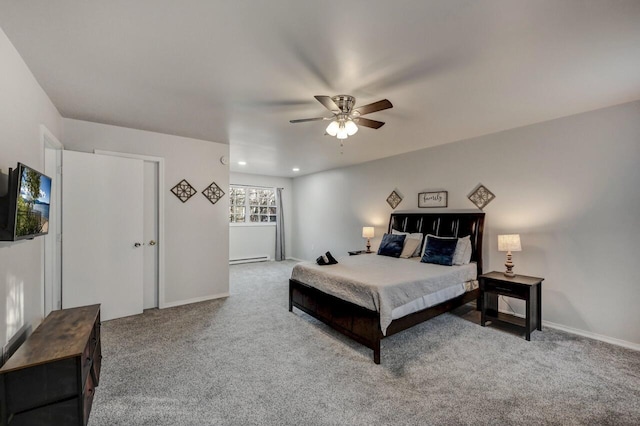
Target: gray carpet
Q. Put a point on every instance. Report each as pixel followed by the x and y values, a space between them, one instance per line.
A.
pixel 246 360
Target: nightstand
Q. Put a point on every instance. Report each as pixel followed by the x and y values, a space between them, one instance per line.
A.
pixel 529 289
pixel 357 252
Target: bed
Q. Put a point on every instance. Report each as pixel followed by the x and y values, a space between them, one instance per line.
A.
pixel 359 296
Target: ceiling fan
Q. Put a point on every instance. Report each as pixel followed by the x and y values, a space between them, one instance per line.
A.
pixel 346 118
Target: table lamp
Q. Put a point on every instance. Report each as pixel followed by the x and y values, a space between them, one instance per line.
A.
pixel 509 243
pixel 368 233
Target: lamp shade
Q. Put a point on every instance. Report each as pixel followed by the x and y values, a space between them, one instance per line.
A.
pixel 510 242
pixel 342 131
pixel 332 128
pixel 367 232
pixel 351 128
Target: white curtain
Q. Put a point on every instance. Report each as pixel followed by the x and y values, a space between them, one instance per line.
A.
pixel 280 252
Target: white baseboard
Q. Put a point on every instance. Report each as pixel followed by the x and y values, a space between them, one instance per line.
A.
pixel 589 334
pixel 583 333
pixel 194 300
pixel 250 259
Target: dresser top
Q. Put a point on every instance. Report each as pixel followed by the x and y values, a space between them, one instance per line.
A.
pixel 62 334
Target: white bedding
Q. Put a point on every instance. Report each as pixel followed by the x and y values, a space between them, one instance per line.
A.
pixel 429 300
pixel 383 283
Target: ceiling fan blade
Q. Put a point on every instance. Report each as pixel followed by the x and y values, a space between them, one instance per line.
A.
pixel 328 103
pixel 376 106
pixel 302 120
pixel 374 124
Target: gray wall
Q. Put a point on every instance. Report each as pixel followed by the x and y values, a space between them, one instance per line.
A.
pixel 256 240
pixel 196 232
pixel 569 187
pixel 24 106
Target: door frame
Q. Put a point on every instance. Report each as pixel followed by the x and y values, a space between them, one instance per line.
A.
pixel 160 162
pixel 49 141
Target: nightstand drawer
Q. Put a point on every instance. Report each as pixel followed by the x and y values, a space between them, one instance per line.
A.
pixel 505 289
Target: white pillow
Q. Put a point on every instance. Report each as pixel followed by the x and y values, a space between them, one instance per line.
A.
pixel 409 248
pixel 415 236
pixel 462 255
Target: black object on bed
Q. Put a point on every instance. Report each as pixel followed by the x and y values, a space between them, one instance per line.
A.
pixel 363 325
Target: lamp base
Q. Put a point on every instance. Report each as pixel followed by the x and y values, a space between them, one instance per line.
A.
pixel 368 246
pixel 509 265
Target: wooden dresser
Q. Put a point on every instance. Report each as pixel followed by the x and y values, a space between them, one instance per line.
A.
pixel 51 378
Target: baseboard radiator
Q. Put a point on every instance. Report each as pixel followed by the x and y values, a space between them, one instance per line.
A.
pixel 14 343
pixel 264 258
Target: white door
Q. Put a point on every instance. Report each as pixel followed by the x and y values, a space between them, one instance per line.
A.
pixel 150 231
pixel 102 241
pixel 52 245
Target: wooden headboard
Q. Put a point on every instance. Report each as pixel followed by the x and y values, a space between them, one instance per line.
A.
pixel 444 225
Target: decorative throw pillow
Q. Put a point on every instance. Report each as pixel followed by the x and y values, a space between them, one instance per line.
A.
pixel 415 236
pixel 424 246
pixel 439 250
pixel 410 246
pixel 462 249
pixel 466 259
pixel 391 245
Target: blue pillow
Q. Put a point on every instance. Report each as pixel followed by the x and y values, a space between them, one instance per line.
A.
pixel 439 250
pixel 391 245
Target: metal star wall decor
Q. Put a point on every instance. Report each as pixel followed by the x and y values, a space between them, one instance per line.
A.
pixel 213 193
pixel 183 190
pixel 394 199
pixel 481 196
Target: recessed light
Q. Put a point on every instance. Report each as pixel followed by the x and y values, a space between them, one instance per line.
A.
pixel 242 163
pixel 296 169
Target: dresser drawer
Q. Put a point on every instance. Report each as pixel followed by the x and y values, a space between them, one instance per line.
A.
pixel 85 361
pixel 87 400
pixel 505 289
pixel 96 327
pixel 55 381
pixel 63 413
pixel 97 363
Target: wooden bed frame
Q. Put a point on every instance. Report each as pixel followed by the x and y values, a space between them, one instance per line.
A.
pixel 362 324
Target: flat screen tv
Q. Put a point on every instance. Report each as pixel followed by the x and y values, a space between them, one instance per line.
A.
pixel 26 205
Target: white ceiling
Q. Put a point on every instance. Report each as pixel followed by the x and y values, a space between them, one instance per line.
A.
pixel 237 71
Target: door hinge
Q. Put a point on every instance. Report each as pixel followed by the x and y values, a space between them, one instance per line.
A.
pixel 59 238
pixel 59 170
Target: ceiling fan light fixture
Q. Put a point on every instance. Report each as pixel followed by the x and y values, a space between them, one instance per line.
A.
pixel 347 119
pixel 333 128
pixel 351 128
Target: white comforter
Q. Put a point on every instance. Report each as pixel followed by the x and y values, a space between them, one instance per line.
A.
pixel 381 283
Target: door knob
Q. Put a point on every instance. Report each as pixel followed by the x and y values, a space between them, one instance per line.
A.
pixel 152 243
pixel 136 245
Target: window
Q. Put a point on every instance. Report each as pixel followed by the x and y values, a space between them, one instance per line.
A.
pixel 252 205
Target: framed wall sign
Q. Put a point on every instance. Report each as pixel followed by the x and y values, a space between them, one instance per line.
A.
pixel 433 199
